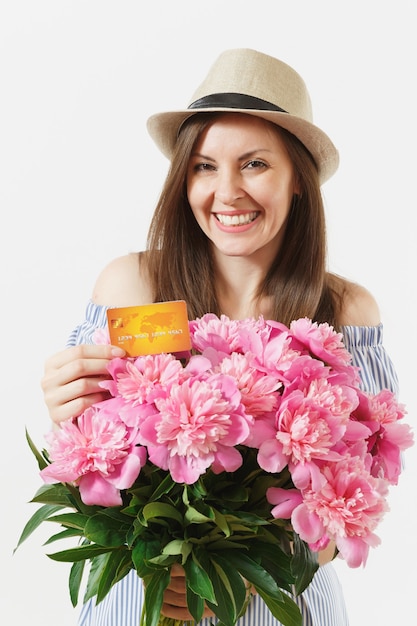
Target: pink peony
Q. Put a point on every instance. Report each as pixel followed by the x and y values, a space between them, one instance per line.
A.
pixel 347 509
pixel 258 389
pixel 139 381
pixel 322 341
pixel 196 426
pixel 305 429
pixel 388 437
pixel 285 501
pixel 219 333
pixel 97 452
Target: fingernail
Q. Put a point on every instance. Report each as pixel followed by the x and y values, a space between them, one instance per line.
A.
pixel 116 351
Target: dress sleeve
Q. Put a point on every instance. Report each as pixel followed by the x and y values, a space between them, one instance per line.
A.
pixel 95 317
pixel 377 371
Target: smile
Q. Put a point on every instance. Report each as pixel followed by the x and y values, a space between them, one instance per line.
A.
pixel 236 220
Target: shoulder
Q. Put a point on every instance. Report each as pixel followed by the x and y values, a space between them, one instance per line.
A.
pixel 358 306
pixel 123 282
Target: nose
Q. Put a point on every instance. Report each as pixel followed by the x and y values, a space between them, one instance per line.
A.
pixel 228 187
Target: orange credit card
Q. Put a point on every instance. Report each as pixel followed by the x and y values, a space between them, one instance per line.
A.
pixel 150 328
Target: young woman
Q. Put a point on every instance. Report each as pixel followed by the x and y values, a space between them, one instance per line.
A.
pixel 239 230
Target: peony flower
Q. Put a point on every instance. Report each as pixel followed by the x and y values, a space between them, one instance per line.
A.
pixel 218 333
pixel 258 390
pixel 196 426
pixel 97 452
pixel 140 380
pixel 305 430
pixel 347 509
pixel 388 438
pixel 322 341
pixel 285 501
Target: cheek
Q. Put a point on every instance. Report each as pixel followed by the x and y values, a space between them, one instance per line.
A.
pixel 279 204
pixel 197 198
pixel 191 193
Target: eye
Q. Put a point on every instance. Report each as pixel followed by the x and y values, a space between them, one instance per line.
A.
pixel 255 164
pixel 203 167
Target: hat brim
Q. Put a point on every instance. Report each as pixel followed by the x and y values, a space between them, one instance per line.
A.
pixel 164 127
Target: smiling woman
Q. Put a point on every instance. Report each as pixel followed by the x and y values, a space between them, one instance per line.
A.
pixel 239 230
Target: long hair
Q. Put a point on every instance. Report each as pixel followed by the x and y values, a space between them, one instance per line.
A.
pixel 179 258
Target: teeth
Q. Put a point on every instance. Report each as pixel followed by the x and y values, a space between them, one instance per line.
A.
pixel 236 220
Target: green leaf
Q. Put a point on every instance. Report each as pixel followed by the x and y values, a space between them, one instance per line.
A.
pixel 53 494
pixel 198 580
pixel 155 510
pixel 125 566
pixel 192 516
pixel 221 522
pixel 224 607
pixel 305 563
pixel 65 534
pixel 39 457
pixel 110 573
pixel 286 611
pixel 81 553
pixel 232 581
pixel 195 605
pixel 143 551
pixel 254 573
pixel 163 560
pixel 36 520
pixel 71 520
pixel 164 487
pixel 178 547
pixel 105 531
pixel 275 561
pixel 75 579
pixel 97 565
pixel 156 584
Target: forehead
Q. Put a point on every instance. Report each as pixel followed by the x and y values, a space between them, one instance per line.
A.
pixel 241 126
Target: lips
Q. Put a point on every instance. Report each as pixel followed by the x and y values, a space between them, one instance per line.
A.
pixel 232 219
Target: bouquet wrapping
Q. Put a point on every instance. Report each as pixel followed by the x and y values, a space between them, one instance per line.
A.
pixel 239 460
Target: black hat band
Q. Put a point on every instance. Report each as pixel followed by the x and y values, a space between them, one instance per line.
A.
pixel 234 101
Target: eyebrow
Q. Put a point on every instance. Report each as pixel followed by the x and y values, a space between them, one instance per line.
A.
pixel 244 156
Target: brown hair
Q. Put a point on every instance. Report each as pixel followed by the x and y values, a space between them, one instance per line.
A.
pixel 179 257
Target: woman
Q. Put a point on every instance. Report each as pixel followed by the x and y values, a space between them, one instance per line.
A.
pixel 239 230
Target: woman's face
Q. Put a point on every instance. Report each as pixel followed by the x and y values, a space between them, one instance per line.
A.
pixel 240 185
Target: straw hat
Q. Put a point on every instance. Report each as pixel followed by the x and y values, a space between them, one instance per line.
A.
pixel 247 81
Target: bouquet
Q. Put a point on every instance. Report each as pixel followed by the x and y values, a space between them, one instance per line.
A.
pixel 239 460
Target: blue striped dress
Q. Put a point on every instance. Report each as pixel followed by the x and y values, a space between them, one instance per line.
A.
pixel 322 603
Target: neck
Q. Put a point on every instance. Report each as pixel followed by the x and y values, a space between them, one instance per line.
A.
pixel 237 283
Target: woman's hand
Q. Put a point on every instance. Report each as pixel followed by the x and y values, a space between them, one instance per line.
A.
pixel 175 598
pixel 71 380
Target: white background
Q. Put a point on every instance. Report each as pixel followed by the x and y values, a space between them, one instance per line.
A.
pixel 79 178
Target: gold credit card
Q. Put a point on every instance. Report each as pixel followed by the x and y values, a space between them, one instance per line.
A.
pixel 150 328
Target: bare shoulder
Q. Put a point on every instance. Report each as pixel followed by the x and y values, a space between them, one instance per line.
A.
pixel 358 305
pixel 123 282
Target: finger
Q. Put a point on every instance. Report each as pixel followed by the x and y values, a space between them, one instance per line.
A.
pixel 177 570
pixel 66 397
pixel 62 412
pixel 177 584
pixel 174 598
pixel 72 380
pixel 82 376
pixel 83 351
pixel 181 613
